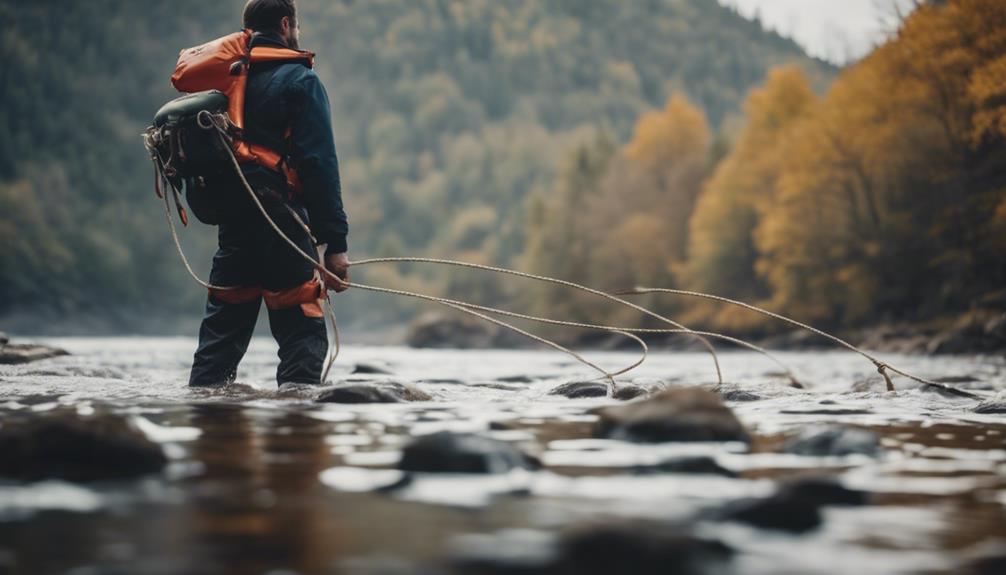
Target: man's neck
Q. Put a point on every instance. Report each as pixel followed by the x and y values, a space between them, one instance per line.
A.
pixel 268 38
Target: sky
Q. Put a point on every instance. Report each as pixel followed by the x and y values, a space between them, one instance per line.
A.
pixel 839 31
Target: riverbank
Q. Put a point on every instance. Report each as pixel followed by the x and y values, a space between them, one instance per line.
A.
pixel 13 353
pixel 977 332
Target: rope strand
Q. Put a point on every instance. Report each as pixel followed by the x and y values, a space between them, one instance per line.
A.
pixel 219 124
pixel 882 367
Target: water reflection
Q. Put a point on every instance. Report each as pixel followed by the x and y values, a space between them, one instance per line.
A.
pixel 256 505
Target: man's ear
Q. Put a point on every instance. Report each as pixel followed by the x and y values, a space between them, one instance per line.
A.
pixel 284 26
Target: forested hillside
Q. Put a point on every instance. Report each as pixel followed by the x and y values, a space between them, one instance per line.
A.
pixel 448 115
pixel 882 201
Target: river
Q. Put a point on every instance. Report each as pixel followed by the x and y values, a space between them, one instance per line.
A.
pixel 267 482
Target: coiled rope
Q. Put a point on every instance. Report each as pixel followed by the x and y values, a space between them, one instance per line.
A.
pixel 219 123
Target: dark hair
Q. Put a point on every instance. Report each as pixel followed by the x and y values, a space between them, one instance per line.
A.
pixel 266 15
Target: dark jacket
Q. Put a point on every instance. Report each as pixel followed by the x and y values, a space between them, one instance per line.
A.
pixel 290 95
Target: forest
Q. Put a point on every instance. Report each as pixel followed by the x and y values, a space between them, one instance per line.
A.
pixel 882 200
pixel 661 142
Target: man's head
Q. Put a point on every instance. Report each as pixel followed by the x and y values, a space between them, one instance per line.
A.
pixel 277 16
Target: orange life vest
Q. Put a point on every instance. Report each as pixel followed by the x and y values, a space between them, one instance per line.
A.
pixel 223 65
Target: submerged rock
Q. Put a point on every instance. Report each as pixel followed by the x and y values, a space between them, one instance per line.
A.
pixel 581 389
pixel 735 393
pixel 642 548
pixel 778 512
pixel 680 414
pixel 996 404
pixel 436 330
pixel 627 392
pixel 795 507
pixel 987 559
pixel 824 491
pixel 388 392
pixel 18 353
pixel 65 445
pixel 827 411
pixel 448 452
pixel 833 440
pixel 517 379
pixel 698 464
pixel 369 369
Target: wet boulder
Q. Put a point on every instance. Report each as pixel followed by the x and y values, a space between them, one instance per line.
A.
pixel 779 512
pixel 436 330
pixel 735 393
pixel 448 452
pixel 388 392
pixel 627 392
pixel 697 464
pixel 985 559
pixel 678 414
pixel 642 548
pixel 795 507
pixel 65 445
pixel 822 490
pixel 833 440
pixel 370 369
pixel 518 379
pixel 18 353
pixel 581 389
pixel 996 404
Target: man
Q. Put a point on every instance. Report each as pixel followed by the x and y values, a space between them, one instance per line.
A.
pixel 286 108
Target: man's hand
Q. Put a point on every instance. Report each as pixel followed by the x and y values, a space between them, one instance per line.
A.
pixel 338 264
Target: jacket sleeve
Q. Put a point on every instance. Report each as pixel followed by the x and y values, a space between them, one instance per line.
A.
pixel 313 155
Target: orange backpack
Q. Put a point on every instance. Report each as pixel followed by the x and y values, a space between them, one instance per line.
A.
pixel 223 65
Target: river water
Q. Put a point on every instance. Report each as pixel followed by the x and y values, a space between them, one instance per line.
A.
pixel 262 481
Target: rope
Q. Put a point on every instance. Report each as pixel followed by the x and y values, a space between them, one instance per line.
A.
pixel 882 367
pixel 219 124
pixel 565 323
pixel 221 131
pixel 564 283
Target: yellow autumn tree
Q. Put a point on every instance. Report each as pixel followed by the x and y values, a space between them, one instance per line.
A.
pixel 886 208
pixel 721 250
pixel 669 151
pixel 618 218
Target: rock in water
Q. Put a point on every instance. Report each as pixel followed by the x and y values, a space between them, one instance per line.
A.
pixel 778 512
pixel 995 405
pixel 735 393
pixel 372 393
pixel 795 507
pixel 434 330
pixel 697 464
pixel 824 490
pixel 680 414
pixel 65 445
pixel 4 340
pixel 447 452
pixel 639 548
pixel 581 389
pixel 830 440
pixel 627 392
pixel 17 353
pixel 370 369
